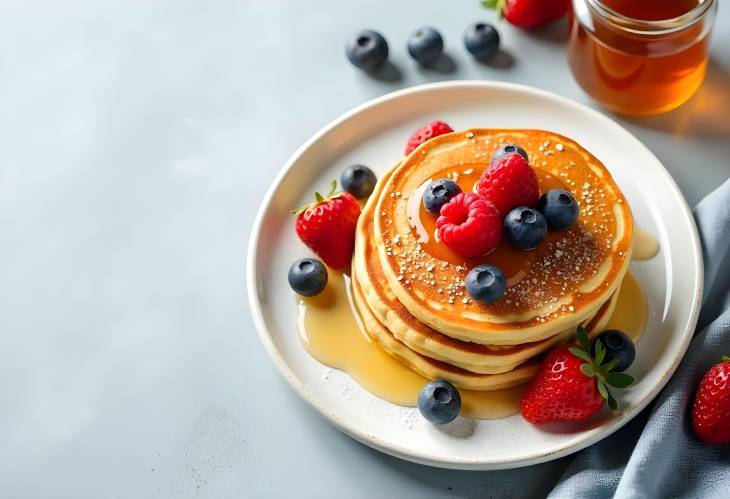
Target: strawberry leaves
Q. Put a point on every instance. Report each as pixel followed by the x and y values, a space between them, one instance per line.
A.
pixel 619 380
pixel 319 198
pixel 497 5
pixel 595 368
pixel 580 353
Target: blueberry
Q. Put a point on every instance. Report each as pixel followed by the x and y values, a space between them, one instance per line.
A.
pixel 559 207
pixel 618 346
pixel 525 227
pixel 358 180
pixel 438 193
pixel 482 40
pixel 439 402
pixel 508 149
pixel 367 50
pixel 485 283
pixel 307 276
pixel 426 45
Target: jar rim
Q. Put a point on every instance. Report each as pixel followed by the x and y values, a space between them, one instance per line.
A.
pixel 654 27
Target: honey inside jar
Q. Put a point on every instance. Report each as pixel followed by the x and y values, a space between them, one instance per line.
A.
pixel 652 10
pixel 640 57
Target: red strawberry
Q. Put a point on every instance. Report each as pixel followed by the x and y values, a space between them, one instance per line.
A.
pixel 711 408
pixel 469 225
pixel 509 182
pixel 571 385
pixel 426 132
pixel 327 226
pixel 529 13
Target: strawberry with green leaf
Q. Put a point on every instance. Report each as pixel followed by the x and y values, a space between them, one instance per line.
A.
pixel 327 226
pixel 529 14
pixel 571 384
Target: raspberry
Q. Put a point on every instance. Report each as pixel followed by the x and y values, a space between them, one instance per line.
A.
pixel 469 225
pixel 509 182
pixel 426 132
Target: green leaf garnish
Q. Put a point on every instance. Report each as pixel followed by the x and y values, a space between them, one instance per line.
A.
pixel 619 380
pixel 610 365
pixel 580 353
pixel 497 5
pixel 594 367
pixel 612 402
pixel 585 343
pixel 602 389
pixel 600 352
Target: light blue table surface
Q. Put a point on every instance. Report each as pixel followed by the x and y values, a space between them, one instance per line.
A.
pixel 136 142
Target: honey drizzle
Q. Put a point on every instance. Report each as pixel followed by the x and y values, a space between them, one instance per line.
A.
pixel 514 263
pixel 652 10
pixel 331 333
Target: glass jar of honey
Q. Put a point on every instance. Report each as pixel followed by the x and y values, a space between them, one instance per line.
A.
pixel 640 57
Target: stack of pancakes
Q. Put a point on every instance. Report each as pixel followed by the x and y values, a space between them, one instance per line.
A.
pixel 409 288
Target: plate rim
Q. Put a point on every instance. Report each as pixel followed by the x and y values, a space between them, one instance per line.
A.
pixel 408 453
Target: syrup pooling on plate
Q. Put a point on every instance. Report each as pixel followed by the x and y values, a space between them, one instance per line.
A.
pixel 632 310
pixel 331 333
pixel 645 245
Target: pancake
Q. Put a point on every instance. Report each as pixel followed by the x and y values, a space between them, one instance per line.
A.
pixel 419 337
pixel 431 368
pixel 551 289
pixel 413 333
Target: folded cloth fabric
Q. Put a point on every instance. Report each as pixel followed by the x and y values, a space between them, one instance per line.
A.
pixel 657 455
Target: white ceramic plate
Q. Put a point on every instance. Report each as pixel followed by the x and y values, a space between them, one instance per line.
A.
pixel 374 134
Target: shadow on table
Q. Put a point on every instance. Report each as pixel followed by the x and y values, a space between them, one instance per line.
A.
pixel 501 60
pixel 445 64
pixel 532 481
pixel 389 72
pixel 706 115
pixel 555 32
pixel 427 481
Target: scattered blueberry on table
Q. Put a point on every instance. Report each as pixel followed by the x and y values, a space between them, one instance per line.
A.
pixel 426 45
pixel 367 50
pixel 481 40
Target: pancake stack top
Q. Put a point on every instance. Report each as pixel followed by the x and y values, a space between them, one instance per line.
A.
pixel 409 287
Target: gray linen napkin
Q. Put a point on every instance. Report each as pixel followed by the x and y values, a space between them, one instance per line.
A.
pixel 657 455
